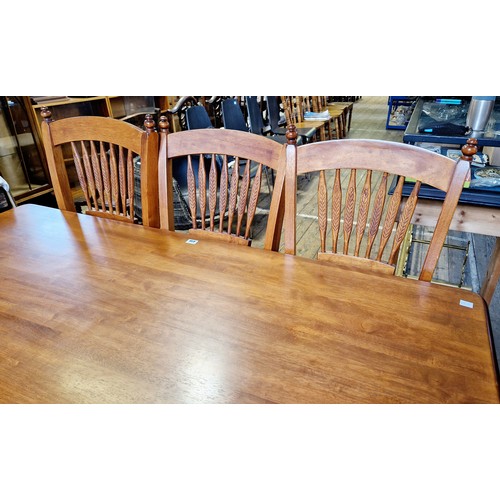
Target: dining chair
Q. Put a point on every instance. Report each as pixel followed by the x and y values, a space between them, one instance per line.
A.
pixel 364 180
pixel 214 109
pixel 256 122
pixel 294 108
pixel 278 124
pixel 234 119
pixel 307 105
pixel 222 204
pixel 346 106
pixel 105 152
pixel 336 114
pixel 197 117
pixel 341 111
pixel 177 114
pixel 232 115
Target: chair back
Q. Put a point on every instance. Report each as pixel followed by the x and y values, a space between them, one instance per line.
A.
pixel 319 103
pixel 197 117
pixel 254 115
pixel 256 121
pixel 214 109
pixel 222 202
pixel 295 107
pixel 289 108
pixel 115 166
pixel 233 117
pixel 273 113
pixel 361 212
pixel 177 114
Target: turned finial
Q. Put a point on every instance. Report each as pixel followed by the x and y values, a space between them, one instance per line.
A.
pixel 46 114
pixel 291 134
pixel 163 124
pixel 149 123
pixel 469 149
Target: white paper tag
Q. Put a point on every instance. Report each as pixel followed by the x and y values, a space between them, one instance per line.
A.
pixel 466 303
pixel 192 242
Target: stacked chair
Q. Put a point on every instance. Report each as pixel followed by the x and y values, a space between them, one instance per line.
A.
pixel 278 125
pixel 337 115
pixel 294 108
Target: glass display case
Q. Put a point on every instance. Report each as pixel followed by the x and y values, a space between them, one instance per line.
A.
pixel 442 120
pixel 22 160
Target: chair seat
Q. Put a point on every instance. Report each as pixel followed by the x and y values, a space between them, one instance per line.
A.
pixel 334 111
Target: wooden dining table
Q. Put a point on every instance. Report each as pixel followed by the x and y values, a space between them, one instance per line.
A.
pixel 99 311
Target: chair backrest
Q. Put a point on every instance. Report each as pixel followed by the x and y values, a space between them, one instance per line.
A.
pixel 197 117
pixel 228 200
pixel 233 117
pixel 378 170
pixel 254 115
pixel 214 109
pixel 289 108
pixel 273 111
pixel 177 114
pixel 114 162
pixel 305 103
pixel 295 107
pixel 319 103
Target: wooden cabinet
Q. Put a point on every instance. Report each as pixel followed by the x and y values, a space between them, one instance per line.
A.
pixel 22 158
pixel 129 108
pixel 71 106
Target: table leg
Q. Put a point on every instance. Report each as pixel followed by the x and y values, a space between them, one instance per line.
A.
pixel 492 275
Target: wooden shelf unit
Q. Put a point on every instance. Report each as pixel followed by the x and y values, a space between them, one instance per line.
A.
pixel 130 108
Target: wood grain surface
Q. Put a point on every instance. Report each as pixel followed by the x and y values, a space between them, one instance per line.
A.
pixel 99 311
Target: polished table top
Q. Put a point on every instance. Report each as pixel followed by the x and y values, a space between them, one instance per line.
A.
pixel 97 311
